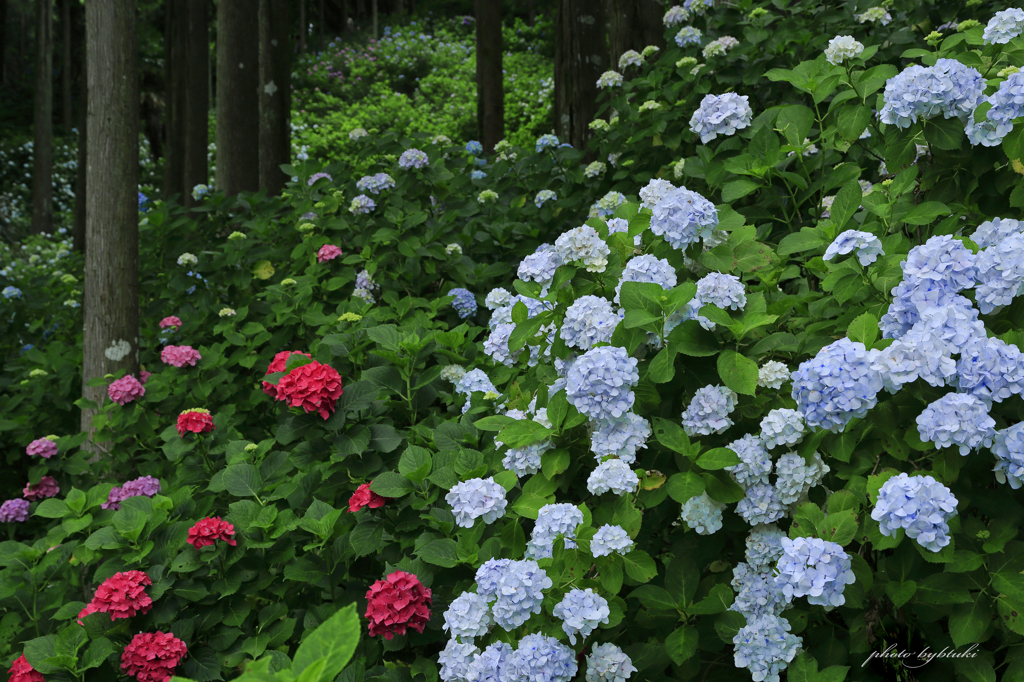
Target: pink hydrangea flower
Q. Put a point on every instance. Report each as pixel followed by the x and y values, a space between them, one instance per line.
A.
pixel 327 252
pixel 44 447
pixel 125 390
pixel 47 487
pixel 144 375
pixel 145 485
pixel 171 321
pixel 179 356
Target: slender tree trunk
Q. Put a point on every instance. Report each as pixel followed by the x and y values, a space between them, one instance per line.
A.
pixel 175 35
pixel 580 54
pixel 3 42
pixel 303 27
pixel 238 129
pixel 111 307
pixel 274 90
pixel 490 91
pixel 42 146
pixel 374 3
pixel 65 21
pixel 531 12
pixel 320 29
pixel 78 231
pixel 361 8
pixel 344 16
pixel 196 106
pixel 633 25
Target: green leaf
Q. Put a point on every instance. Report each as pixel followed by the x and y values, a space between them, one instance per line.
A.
pixel 689 338
pixel 944 133
pixel 654 597
pixel 390 484
pixel 718 458
pixel 864 329
pixel 969 622
pixel 738 189
pixel 662 368
pixel 98 652
pixel 900 592
pixel 334 642
pixel 681 645
pixel 976 669
pixel 242 480
pixel 846 203
pixel 52 509
pixel 415 464
pixel 925 213
pixel 672 436
pixel 37 651
pixel 738 373
pixel 806 239
pixel 719 599
pixel 682 487
pixel 639 566
pixel 443 553
pixel 852 120
pixel 840 527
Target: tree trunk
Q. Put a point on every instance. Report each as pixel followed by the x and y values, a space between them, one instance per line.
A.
pixel 111 303
pixel 42 146
pixel 175 35
pixel 274 94
pixel 490 93
pixel 374 3
pixel 531 12
pixel 579 61
pixel 78 231
pixel 633 25
pixel 361 8
pixel 3 42
pixel 303 27
pixel 344 16
pixel 320 29
pixel 238 74
pixel 196 106
pixel 65 21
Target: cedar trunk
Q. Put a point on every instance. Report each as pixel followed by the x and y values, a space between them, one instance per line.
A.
pixel 303 26
pixel 42 146
pixel 65 27
pixel 111 306
pixel 196 106
pixel 78 231
pixel 274 94
pixel 633 25
pixel 175 35
pixel 580 51
pixel 3 42
pixel 238 126
pixel 490 95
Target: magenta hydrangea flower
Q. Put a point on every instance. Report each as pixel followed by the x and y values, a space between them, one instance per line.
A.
pixel 125 390
pixel 44 447
pixel 14 510
pixel 145 485
pixel 179 356
pixel 170 321
pixel 327 252
pixel 47 487
pixel 144 375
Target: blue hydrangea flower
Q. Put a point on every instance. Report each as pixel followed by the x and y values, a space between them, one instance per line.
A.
pixel 362 204
pixel 756 592
pixel 497 298
pixel 488 577
pixel 702 514
pixel 468 617
pixel 474 148
pixel 581 611
pixel 698 7
pixel 765 647
pixel 675 16
pixel 836 385
pixel 993 231
pixel 764 546
pixel 606 205
pixel 464 303
pixel 1007 104
pixel 1000 273
pixel 918 504
pixel 755 463
pixel 600 382
pixel 520 593
pixel 476 498
pixel 1004 26
pixel 688 35
pixel 610 539
pixel 760 505
pixel 918 354
pixel 496 345
pixel 493 664
pixel 543 659
pixel 475 380
pixel 990 369
pixel 814 568
pixel 543 196
pixel 782 427
pixel 375 184
pixel 553 520
pixel 412 158
pixel 609 79
pixel 607 663
pixel 455 660
pixel 1008 447
pixel 11 292
pixel 545 141
pixel 647 268
pixel 503 314
pixel 620 437
pixel 583 245
pixel 622 225
pixel 588 321
pixel 942 261
pixel 709 410
pixel 795 476
pixel 654 191
pixel 721 115
pixel 948 88
pixel 612 475
pixel 682 217
pixel 866 245
pixel 477 175
pixel 540 266
pixel 957 419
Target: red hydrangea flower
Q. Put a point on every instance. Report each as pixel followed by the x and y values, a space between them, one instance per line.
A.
pixel 153 656
pixel 144 375
pixel 278 365
pixel 196 420
pixel 179 356
pixel 313 387
pixel 22 671
pixel 398 602
pixel 123 595
pixel 364 497
pixel 171 321
pixel 91 607
pixel 327 252
pixel 47 487
pixel 125 390
pixel 209 530
pixel 44 447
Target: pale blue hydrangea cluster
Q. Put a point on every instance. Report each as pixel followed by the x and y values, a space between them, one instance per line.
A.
pixel 474 381
pixel 600 382
pixel 453 373
pixel 362 204
pixel 764 545
pixel 630 58
pixel 488 576
pixel 477 175
pixel 757 593
pixel 608 663
pixel 918 354
pixel 496 345
pixel 993 231
pixel 866 245
pixel 647 268
pixel 476 498
pixel 709 410
pixel 957 419
pixel 610 539
pixel 518 589
pixel 1008 447
pixel 545 142
pixel 497 298
pixel 875 15
pixel 412 158
pixel 688 35
pixel 540 265
pixel 719 46
pixel 795 476
pixel 682 217
pixel 588 321
pixel 698 7
pixel 612 475
pixel 836 385
pixel 1000 273
pixel 468 617
pixel 553 520
pixel 595 169
pixel 702 514
pixel 1007 104
pixel 760 504
pixel 675 16
pixel 464 303
pixel 765 647
pixel 503 314
pixel 654 191
pixel 493 664
pixel 544 196
pixel 1004 26
pixel 525 461
pixel 606 205
pixel 814 568
pixel 620 437
pixel 723 291
pixel 609 79
pixel 455 660
pixel 622 225
pixel 755 463
pixel 918 92
pixel 842 48
pixel 583 245
pixel 990 369
pixel 375 184
pixel 782 426
pixel 721 115
pixel 920 505
pixel 772 374
pixel 474 148
pixel 581 611
pixel 540 658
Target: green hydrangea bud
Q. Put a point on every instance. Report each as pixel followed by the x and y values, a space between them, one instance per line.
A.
pixel 349 317
pixel 967 24
pixel 251 447
pixel 37 373
pixel 235 236
pixel 287 281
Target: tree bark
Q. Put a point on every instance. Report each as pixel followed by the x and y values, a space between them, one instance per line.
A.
pixel 111 302
pixel 175 34
pixel 374 3
pixel 344 16
pixel 580 54
pixel 3 42
pixel 196 106
pixel 490 93
pixel 42 146
pixel 65 21
pixel 238 130
pixel 633 25
pixel 303 27
pixel 274 94
pixel 320 29
pixel 78 231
